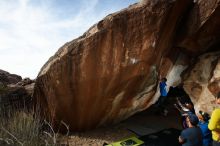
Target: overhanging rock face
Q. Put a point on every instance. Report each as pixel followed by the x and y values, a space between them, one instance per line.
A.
pixel 200 31
pixel 202 82
pixel 201 35
pixel 111 72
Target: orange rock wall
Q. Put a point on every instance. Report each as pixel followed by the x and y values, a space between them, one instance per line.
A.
pixel 112 71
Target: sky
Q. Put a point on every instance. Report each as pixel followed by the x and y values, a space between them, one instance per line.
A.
pixel 31 31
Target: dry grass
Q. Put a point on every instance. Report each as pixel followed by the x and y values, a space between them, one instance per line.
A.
pixel 22 129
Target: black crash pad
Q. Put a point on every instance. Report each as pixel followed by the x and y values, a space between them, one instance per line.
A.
pixel 166 137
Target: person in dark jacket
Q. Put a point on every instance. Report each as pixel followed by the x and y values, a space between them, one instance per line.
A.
pixel 191 136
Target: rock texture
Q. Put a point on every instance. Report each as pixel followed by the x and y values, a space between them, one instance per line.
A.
pixel 112 71
pixel 7 78
pixel 17 95
pixel 200 31
pixel 200 34
pixel 202 81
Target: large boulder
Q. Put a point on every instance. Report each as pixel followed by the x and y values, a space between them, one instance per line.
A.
pixel 112 71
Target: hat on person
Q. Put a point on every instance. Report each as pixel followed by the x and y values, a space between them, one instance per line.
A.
pixel 193 119
pixel 204 115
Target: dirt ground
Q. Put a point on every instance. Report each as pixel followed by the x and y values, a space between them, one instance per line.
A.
pixel 99 136
pixel 142 123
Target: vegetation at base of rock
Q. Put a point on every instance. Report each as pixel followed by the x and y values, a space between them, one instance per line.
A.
pixel 25 129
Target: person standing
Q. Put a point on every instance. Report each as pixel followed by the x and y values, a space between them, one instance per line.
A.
pixel 214 123
pixel 191 136
pixel 163 88
pixel 162 98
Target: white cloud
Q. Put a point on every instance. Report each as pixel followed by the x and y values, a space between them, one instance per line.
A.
pixel 32 31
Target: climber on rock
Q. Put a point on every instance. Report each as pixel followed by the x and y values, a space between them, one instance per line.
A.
pixel 163 96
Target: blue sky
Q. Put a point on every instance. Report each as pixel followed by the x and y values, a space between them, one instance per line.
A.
pixel 31 31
